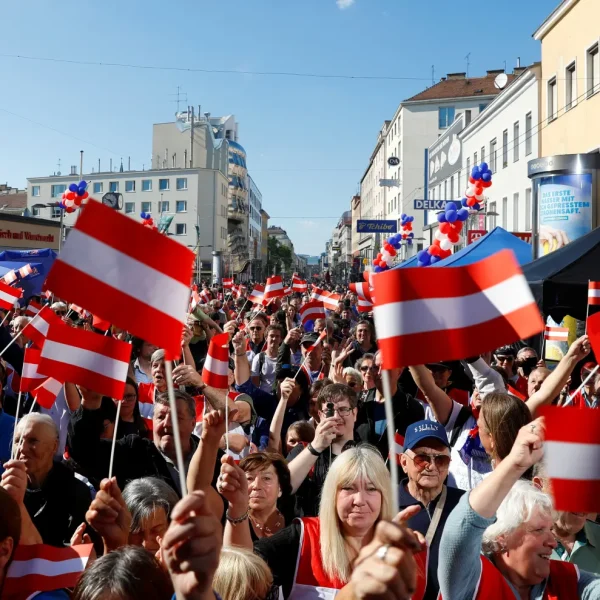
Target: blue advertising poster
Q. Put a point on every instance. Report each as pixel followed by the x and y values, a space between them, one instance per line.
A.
pixel 565 210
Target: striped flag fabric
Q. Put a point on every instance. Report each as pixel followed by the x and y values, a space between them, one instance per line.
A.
pixel 322 336
pixel 556 334
pixel 216 366
pixel 299 285
pixel 25 271
pixel 10 277
pixel 363 293
pixel 30 378
pixel 46 393
pixel 594 293
pixel 9 296
pixel 274 288
pixel 312 310
pixel 228 282
pixel 128 274
pixel 97 362
pixel 41 568
pixel 329 299
pixel 33 308
pixel 399 447
pixel 100 324
pixel 205 296
pixel 571 457
pixel 37 329
pixel 257 295
pixel 424 317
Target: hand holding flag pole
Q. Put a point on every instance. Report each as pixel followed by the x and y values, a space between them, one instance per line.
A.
pixel 322 336
pixel 175 422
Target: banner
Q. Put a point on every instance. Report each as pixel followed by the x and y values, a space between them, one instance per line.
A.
pixel 474 234
pixel 376 226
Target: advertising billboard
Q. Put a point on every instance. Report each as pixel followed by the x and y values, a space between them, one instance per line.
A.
pixel 376 226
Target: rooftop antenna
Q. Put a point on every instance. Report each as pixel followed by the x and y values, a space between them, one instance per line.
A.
pixel 432 74
pixel 58 172
pixel 505 66
pixel 467 58
pixel 179 97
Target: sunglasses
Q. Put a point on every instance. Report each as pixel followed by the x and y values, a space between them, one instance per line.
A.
pixel 441 461
pixel 61 313
pixel 351 384
pixel 255 328
pixel 372 368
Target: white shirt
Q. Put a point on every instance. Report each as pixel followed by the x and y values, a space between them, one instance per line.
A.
pixel 267 377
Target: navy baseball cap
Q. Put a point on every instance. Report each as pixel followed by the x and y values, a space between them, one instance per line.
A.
pixel 422 430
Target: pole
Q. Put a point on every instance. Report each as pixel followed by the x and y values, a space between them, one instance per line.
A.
pixel 192 141
pixel 80 165
pixel 587 313
pixel 389 417
pixel 175 422
pixel 12 448
pixel 591 374
pixel 114 440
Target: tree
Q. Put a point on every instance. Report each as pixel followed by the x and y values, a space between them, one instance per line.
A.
pixel 279 256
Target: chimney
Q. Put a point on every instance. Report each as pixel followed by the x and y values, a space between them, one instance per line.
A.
pixel 518 70
pixel 494 72
pixel 73 169
pixel 453 76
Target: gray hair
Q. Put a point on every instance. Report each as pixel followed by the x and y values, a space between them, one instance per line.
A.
pixel 163 398
pixel 41 419
pixel 157 356
pixel 59 305
pixel 519 506
pixel 144 496
pixel 353 373
pixel 24 320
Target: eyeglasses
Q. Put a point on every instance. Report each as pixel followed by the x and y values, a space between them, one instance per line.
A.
pixel 255 328
pixel 61 313
pixel 129 397
pixel 421 461
pixel 505 358
pixel 351 384
pixel 371 368
pixel 342 411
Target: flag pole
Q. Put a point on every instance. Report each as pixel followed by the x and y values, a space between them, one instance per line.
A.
pixel 12 447
pixel 114 440
pixel 23 439
pixel 389 417
pixel 22 331
pixel 5 317
pixel 570 398
pixel 587 312
pixel 178 450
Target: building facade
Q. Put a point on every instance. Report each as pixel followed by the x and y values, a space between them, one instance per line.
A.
pixel 254 228
pixel 264 245
pixel 12 199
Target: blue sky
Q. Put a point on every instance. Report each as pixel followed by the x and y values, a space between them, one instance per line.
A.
pixel 308 140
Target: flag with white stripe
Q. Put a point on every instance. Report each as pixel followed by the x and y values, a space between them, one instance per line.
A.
pixel 46 393
pixel 128 274
pixel 216 366
pixel 33 308
pixel 422 316
pixel 257 295
pixel 312 310
pixel 329 299
pixel 30 378
pixel 9 296
pixel 299 285
pixel 274 288
pixel 363 293
pixel 556 334
pixel 37 329
pixel 97 362
pixel 594 293
pixel 228 282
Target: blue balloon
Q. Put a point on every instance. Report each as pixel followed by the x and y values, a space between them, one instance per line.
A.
pixel 73 187
pixel 441 217
pixel 424 258
pixel 403 216
pixel 476 173
pixel 377 269
pixel 61 205
pixel 463 214
pixel 464 202
pixel 487 176
pixel 434 259
pixel 409 241
pixel 476 206
pixel 145 215
pixel 80 191
pixel 451 206
pixel 451 216
pixel 484 167
pixel 411 235
pixel 412 219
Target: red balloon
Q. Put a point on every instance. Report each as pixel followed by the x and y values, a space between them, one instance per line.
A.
pixel 453 237
pixel 387 247
pixel 77 201
pixel 471 201
pixel 392 251
pixel 471 180
pixel 71 195
pixel 376 262
pixel 445 227
pixel 434 250
pixel 70 209
pixel 486 184
pixel 408 227
pixel 445 254
pixel 85 196
pixel 457 226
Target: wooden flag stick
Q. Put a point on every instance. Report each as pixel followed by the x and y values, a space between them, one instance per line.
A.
pixel 114 440
pixel 389 417
pixel 23 439
pixel 587 313
pixel 590 375
pixel 12 448
pixel 173 404
pixel 5 317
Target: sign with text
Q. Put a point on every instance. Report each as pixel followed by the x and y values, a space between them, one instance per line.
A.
pixel 474 234
pixel 389 183
pixel 429 204
pixel 376 226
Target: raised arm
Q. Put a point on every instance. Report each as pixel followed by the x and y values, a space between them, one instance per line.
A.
pixel 441 404
pixel 558 378
pixel 234 488
pixel 242 366
pixel 287 387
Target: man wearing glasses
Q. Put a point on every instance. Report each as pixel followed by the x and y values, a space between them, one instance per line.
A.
pixel 425 461
pixel 506 358
pixel 256 329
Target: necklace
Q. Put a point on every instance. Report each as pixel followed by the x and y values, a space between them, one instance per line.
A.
pixel 268 530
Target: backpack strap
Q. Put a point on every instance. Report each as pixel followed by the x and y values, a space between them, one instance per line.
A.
pixel 463 416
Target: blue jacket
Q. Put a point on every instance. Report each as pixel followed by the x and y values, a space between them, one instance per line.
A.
pixel 7 427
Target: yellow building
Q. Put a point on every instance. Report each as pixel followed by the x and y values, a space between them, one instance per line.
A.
pixel 570 99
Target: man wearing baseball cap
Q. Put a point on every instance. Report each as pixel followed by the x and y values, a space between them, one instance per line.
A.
pixel 425 461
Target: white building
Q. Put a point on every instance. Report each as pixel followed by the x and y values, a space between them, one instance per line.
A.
pixel 254 226
pixel 195 198
pixel 505 136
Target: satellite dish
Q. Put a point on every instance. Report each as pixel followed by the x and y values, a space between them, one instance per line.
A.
pixel 501 81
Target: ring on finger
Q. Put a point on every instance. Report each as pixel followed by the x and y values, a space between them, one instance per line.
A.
pixel 382 552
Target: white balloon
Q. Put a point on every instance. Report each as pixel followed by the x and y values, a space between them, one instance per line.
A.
pixel 445 244
pixel 479 197
pixel 439 235
pixel 386 256
pixel 470 190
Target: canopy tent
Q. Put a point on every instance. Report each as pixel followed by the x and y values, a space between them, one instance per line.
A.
pixel 409 262
pixel 41 260
pixel 492 242
pixel 559 280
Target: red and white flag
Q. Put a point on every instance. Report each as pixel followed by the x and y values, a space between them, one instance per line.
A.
pixel 571 458
pixel 205 296
pixel 312 310
pixel 97 362
pixel 321 337
pixel 100 324
pixel 594 293
pixel 33 308
pixel 398 447
pixel 274 287
pixel 128 274
pixel 228 282
pixel 329 299
pixel 25 271
pixel 41 568
pixel 9 296
pixel 30 378
pixel 216 366
pixel 556 334
pixel 363 293
pixel 425 317
pixel 9 277
pixel 46 393
pixel 299 285
pixel 37 329
pixel 79 310
pixel 288 291
pixel 257 295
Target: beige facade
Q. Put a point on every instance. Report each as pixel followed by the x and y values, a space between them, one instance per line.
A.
pixel 28 233
pixel 355 206
pixel 570 99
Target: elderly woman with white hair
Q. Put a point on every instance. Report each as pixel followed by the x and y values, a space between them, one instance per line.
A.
pixel 498 541
pixel 55 499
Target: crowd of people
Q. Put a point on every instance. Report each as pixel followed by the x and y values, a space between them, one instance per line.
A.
pixel 287 471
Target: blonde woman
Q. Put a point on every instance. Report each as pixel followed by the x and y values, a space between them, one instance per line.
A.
pixel 314 555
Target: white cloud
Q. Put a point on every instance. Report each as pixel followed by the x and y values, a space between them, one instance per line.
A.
pixel 343 4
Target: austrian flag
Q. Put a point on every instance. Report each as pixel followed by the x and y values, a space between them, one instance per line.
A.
pixel 37 329
pixel 33 308
pixel 257 295
pixel 594 293
pixel 227 282
pixel 274 288
pixel 216 366
pixel 556 334
pixel 312 310
pixel 30 378
pixel 329 299
pixel 428 315
pixel 299 285
pixel 9 295
pixel 125 273
pixel 96 362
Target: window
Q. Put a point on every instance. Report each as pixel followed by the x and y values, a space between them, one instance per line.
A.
pixel 130 186
pixel 181 183
pixel 552 99
pixel 505 212
pixel 163 185
pixel 452 188
pixel 446 116
pixel 493 155
pixel 113 186
pixel 528 127
pixel 516 212
pixel 146 185
pixel 180 229
pixel 570 86
pixel 492 220
pixel 56 212
pixel 35 211
pixel 181 207
pixel 482 107
pixel 57 190
pixel 98 186
pixel 146 207
pixel 35 190
pixel 129 207
pixel 458 190
pixel 528 209
pixel 505 149
pixel 163 206
pixel 468 168
pixel 475 162
pixel 516 142
pixel 483 154
pixel 593 70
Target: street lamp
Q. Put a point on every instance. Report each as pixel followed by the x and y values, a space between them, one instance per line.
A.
pixel 62 214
